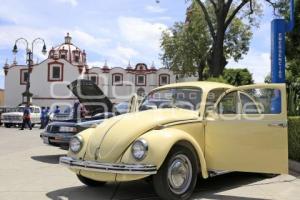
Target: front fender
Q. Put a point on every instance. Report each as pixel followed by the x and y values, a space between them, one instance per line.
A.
pixel 160 143
pixel 85 136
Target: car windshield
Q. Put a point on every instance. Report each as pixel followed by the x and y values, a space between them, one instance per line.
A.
pixel 21 109
pixel 185 98
pixel 123 106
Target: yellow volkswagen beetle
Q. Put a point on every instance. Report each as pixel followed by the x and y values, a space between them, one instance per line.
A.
pixel 184 130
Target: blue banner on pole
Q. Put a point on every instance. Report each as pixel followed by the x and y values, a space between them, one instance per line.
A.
pixel 278 51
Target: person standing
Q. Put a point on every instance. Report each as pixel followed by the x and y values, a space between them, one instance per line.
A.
pixel 47 116
pixel 43 118
pixel 76 110
pixel 57 110
pixel 26 118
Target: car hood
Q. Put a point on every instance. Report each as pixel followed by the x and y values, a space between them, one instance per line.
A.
pixel 111 138
pixel 12 114
pixel 91 96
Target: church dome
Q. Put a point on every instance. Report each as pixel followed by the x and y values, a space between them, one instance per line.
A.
pixel 69 52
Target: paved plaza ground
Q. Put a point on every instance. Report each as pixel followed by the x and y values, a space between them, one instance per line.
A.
pixel 30 170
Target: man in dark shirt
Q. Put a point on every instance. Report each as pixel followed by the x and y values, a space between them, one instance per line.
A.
pixel 26 118
pixel 57 110
pixel 47 116
pixel 43 117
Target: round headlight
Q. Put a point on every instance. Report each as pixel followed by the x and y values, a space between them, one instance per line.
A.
pixel 76 144
pixel 139 149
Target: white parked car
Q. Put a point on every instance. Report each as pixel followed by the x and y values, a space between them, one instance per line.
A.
pixel 16 118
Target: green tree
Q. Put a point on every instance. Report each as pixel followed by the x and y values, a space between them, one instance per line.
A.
pixel 221 17
pixel 234 77
pixel 186 46
pixel 293 61
pixel 238 76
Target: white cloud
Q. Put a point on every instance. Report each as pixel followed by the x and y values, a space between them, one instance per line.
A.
pixel 88 41
pixel 121 55
pixel 258 63
pixel 71 2
pixel 141 33
pixel 118 56
pixel 155 9
pixel 8 35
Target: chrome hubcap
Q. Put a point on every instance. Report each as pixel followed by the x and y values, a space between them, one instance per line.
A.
pixel 180 174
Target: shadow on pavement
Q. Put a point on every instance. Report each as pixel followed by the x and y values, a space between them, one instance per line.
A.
pixel 142 190
pixel 123 191
pixel 50 159
pixel 210 188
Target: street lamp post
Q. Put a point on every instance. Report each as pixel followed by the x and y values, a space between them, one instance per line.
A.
pixel 29 60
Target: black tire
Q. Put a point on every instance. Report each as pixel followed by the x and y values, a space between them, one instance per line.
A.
pixel 90 182
pixel 7 125
pixel 32 125
pixel 164 179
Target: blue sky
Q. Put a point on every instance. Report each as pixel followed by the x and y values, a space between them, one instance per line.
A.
pixel 116 31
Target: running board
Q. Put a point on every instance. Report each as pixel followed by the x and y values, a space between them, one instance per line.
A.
pixel 214 173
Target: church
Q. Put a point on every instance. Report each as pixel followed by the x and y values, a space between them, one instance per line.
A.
pixel 66 63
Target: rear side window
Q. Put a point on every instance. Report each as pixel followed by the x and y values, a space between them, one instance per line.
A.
pixel 212 98
pixel 229 104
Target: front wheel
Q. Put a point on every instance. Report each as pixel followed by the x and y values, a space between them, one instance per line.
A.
pixel 90 182
pixel 177 177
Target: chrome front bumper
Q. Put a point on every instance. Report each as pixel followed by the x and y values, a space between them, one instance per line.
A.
pixel 108 167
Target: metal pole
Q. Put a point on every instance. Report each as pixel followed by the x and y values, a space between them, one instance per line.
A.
pixel 29 60
pixel 29 53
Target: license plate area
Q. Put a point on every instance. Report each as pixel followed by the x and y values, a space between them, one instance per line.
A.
pixel 46 140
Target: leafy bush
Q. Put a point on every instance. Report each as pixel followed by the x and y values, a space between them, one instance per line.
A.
pixel 294 138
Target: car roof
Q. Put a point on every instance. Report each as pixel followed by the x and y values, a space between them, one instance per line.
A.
pixel 204 85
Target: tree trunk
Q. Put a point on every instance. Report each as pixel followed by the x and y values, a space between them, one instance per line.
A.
pixel 217 60
pixel 201 66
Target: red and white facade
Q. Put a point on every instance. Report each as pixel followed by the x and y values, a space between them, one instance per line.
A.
pixel 66 63
pixel 120 83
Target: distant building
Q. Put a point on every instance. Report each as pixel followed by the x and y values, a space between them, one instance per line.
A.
pixel 66 63
pixel 1 97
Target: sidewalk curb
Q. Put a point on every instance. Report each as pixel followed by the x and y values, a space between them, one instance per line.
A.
pixel 294 166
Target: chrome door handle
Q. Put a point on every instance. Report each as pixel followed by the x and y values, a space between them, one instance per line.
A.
pixel 281 125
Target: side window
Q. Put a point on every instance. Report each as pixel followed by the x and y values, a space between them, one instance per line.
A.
pixel 267 101
pixel 37 110
pixel 228 104
pixel 212 98
pixel 248 105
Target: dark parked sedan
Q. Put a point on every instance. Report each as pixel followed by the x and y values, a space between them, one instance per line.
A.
pixel 59 133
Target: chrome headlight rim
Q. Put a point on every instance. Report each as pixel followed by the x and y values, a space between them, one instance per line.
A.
pixel 80 140
pixel 145 145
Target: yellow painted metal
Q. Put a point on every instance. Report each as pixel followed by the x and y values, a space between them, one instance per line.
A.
pixel 248 143
pixel 237 145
